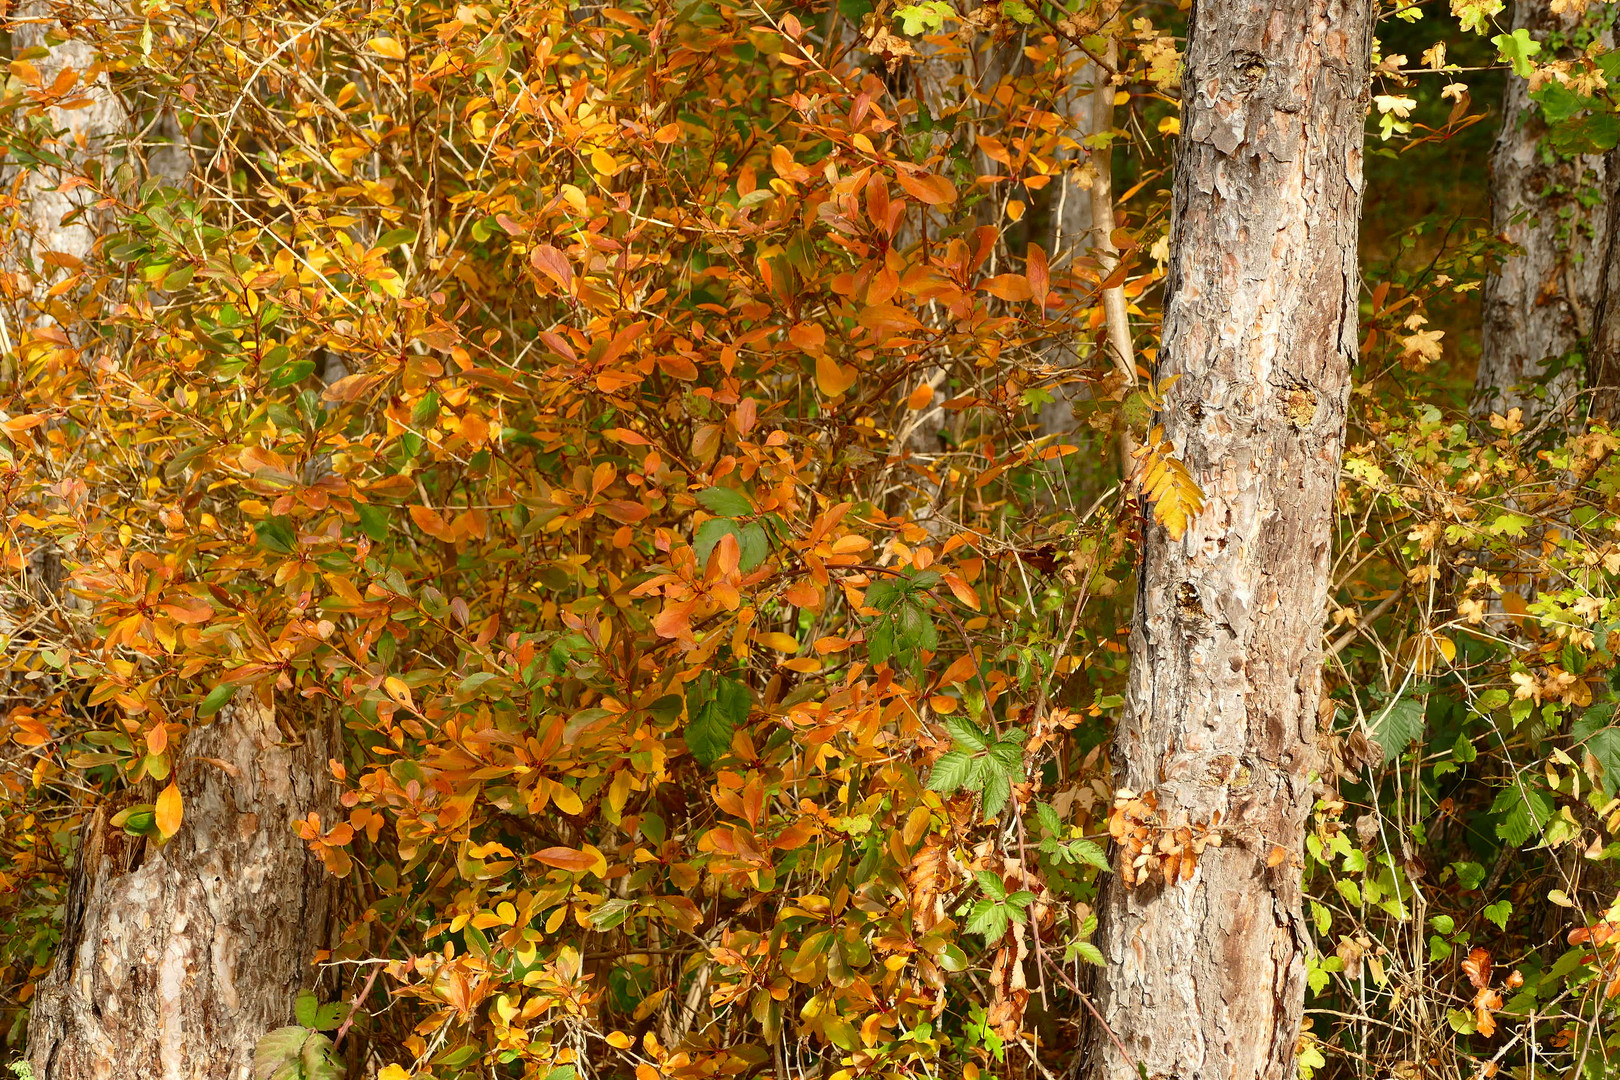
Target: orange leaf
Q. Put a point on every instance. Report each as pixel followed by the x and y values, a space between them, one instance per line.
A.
pixel 831 379
pixel 169 811
pixel 675 621
pixel 962 591
pixel 928 188
pixel 1008 287
pixel 554 264
pixel 809 337
pixel 429 521
pixel 1478 968
pixel 350 387
pixel 795 836
pixel 575 862
pixel 1039 276
pixel 921 397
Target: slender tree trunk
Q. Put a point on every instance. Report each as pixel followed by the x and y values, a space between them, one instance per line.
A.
pixel 1205 977
pixel 1537 306
pixel 176 959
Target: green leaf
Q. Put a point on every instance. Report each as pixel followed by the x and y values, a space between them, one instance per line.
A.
pixel 992 885
pixel 709 534
pixel 926 17
pixel 1475 15
pixel 727 502
pixel 1559 103
pixel 1009 758
pixel 1592 734
pixel 216 699
pixel 373 522
pixel 1051 824
pixel 1087 852
pixel 287 374
pixel 989 919
pixel 175 280
pixel 965 733
pixel 318 1061
pixel 1088 952
pixel 1517 48
pixel 1400 723
pixel 880 640
pixel 1525 811
pixel 610 913
pixel 1499 912
pixel 950 771
pixel 709 730
pixel 305 1008
pixel 753 545
pixel 276 533
pixel 1017 11
pixel 394 238
pixel 997 788
pixel 276 1056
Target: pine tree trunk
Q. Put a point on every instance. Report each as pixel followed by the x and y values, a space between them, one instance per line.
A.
pixel 1205 977
pixel 1537 306
pixel 176 959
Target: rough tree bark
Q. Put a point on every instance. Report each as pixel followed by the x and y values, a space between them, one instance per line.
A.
pixel 1205 978
pixel 175 959
pixel 1537 306
pixel 1603 360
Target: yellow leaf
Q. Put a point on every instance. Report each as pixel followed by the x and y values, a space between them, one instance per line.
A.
pixel 397 690
pixel 575 198
pixel 566 799
pixel 1170 125
pixel 619 1040
pixel 779 642
pixel 604 162
pixel 831 379
pixel 387 46
pixel 169 811
pixel 393 1072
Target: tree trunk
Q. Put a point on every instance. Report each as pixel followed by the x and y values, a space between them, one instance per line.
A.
pixel 88 131
pixel 1603 360
pixel 1537 306
pixel 1205 977
pixel 176 959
